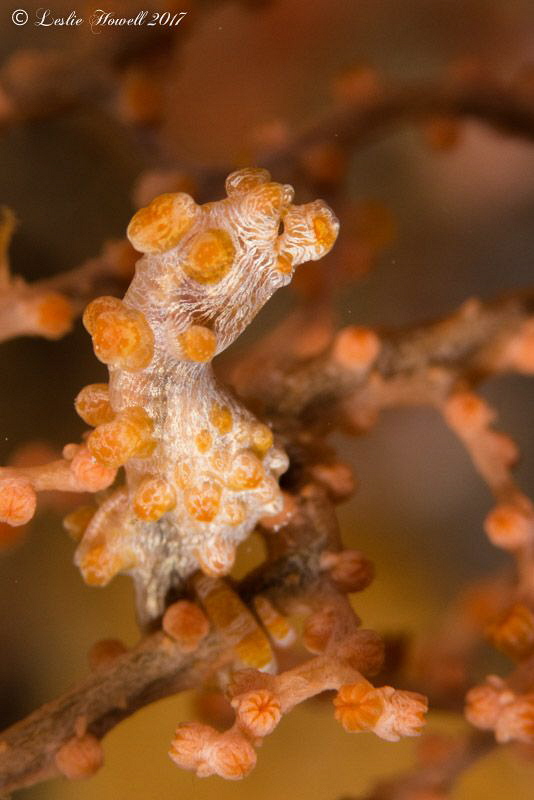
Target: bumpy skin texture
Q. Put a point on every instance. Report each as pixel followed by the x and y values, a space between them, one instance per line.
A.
pixel 200 469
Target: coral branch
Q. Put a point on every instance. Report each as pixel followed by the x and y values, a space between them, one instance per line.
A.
pixel 27 310
pixel 47 307
pixel 122 681
pixel 370 371
pixel 77 472
pixel 106 273
pixel 154 669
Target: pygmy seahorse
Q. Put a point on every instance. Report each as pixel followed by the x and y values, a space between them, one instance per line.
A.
pixel 200 468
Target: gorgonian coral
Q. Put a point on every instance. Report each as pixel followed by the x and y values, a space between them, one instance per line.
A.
pixel 201 471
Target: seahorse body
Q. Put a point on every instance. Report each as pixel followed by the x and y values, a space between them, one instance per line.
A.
pixel 200 469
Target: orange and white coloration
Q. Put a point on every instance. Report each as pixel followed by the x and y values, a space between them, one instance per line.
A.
pixel 356 348
pixel 80 757
pixel 467 413
pixel 17 500
pixel 509 527
pixel 258 713
pixel 513 632
pixel 77 471
pixel 77 521
pixel 494 706
pixel 519 352
pixel 349 569
pixel 278 627
pixel 516 722
pixel 358 707
pixel 318 629
pixel 186 623
pixel 387 712
pixel 208 752
pixel 26 310
pixel 234 621
pixel 484 703
pixel 200 469
pixel 104 653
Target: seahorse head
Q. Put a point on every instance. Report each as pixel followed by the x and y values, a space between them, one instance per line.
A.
pixel 217 264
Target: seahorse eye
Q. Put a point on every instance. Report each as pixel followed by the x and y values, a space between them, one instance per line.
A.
pixel 268 200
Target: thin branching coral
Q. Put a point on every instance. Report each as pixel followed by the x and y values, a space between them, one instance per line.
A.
pixel 202 462
pixel 27 310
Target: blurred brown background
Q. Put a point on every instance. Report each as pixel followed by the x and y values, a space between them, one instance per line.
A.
pixel 465 227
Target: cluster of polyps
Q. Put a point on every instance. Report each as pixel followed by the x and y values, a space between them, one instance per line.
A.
pixel 510 524
pixel 200 469
pixel 260 700
pixel 494 706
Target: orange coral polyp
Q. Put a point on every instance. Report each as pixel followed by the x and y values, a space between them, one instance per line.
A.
pixel 278 626
pixel 318 630
pixel 105 653
pixel 231 616
pixel 284 264
pixel 270 198
pixel 484 703
pixel 79 757
pixel 513 633
pixel 211 254
pixel 203 440
pixel 233 760
pixel 358 707
pixel 91 475
pixel 17 500
pixel 356 348
pixel 207 752
pixel 509 527
pixel 187 624
pixel 466 412
pixel 258 712
pixel 254 650
pixel 234 512
pixel 55 314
